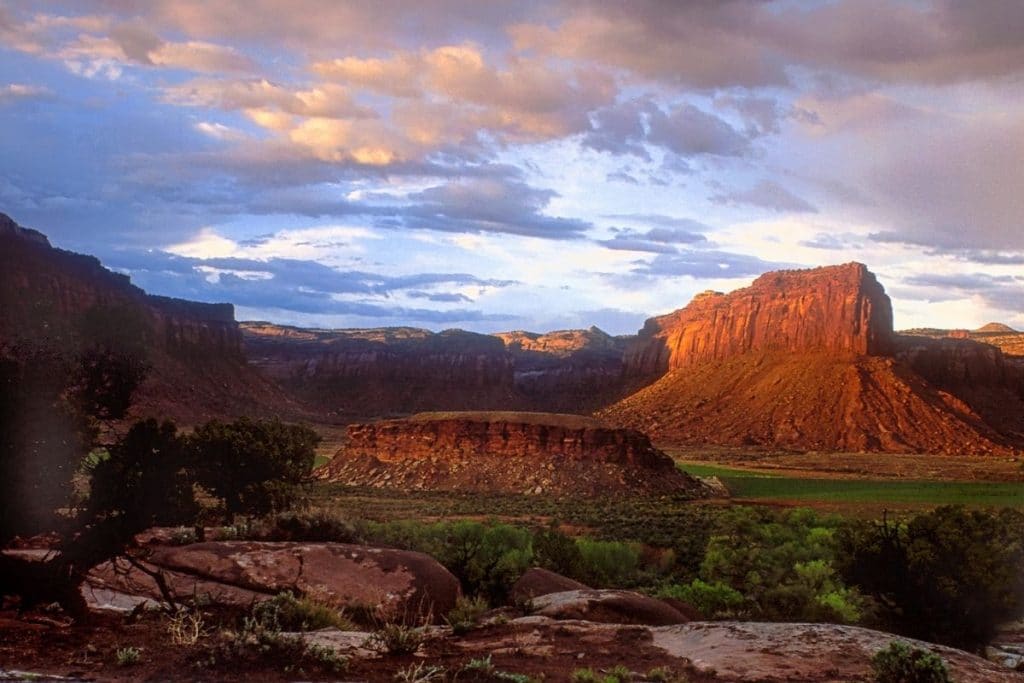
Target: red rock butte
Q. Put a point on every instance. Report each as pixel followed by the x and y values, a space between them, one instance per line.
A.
pixel 505 451
pixel 836 308
pixel 808 360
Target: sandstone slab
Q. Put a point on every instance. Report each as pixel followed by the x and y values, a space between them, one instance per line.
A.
pixel 607 606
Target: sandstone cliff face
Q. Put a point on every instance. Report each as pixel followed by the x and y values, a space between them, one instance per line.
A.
pixel 574 370
pixel 197 369
pixel 808 360
pixel 48 291
pixel 842 309
pixel 510 452
pixel 384 370
pixel 397 370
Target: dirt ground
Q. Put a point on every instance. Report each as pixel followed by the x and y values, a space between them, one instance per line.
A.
pixel 49 644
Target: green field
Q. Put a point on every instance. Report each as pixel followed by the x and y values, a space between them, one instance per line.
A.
pixel 757 486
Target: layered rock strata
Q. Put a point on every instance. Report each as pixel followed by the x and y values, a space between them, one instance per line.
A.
pixel 808 360
pixel 840 309
pixel 505 452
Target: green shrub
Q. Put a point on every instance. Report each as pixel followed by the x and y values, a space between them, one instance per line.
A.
pixel 466 614
pixel 948 576
pixel 320 526
pixel 607 564
pixel 898 663
pixel 286 612
pixel 486 558
pixel 397 639
pixel 782 564
pixel 128 656
pixel 712 600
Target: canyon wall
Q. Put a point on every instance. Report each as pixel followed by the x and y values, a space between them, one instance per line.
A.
pixel 66 301
pixel 840 309
pixel 397 370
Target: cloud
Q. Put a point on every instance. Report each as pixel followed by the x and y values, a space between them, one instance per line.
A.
pixel 485 205
pixel 14 92
pixel 694 44
pixel 766 194
pixel 1003 292
pixel 662 240
pixel 833 241
pixel 688 131
pixel 951 183
pixel 693 263
pixel 300 286
pixel 442 297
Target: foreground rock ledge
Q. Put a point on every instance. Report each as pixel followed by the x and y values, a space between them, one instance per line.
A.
pixel 506 452
pixel 396 583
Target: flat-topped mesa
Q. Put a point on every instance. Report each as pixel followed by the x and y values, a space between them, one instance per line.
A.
pixel 505 435
pixel 839 309
pixel 505 452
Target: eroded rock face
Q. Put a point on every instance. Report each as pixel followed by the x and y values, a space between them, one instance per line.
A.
pixel 381 371
pixel 511 452
pixel 46 290
pixel 400 583
pixel 54 297
pixel 400 370
pixel 572 370
pixel 841 309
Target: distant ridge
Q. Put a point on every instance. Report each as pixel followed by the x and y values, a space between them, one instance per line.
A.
pixel 996 328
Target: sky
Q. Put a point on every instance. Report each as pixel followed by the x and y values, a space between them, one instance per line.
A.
pixel 516 164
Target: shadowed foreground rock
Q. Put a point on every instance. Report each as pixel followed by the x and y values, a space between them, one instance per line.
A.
pixel 607 606
pixel 506 452
pixel 400 583
pixel 538 581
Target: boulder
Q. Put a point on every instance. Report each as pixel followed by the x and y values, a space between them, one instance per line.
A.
pixel 608 607
pixel 537 581
pixel 401 584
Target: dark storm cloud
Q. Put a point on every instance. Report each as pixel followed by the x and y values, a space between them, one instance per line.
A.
pixel 766 194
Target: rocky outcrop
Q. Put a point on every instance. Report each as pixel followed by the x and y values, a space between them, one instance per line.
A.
pixel 538 581
pixel 505 452
pixel 67 301
pixel 808 360
pixel 391 583
pixel 607 606
pixel 840 309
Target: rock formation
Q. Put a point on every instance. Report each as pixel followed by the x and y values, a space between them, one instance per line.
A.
pixel 570 370
pixel 361 373
pixel 58 298
pixel 808 360
pixel 505 452
pixel 839 309
pixel 394 583
pixel 384 371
